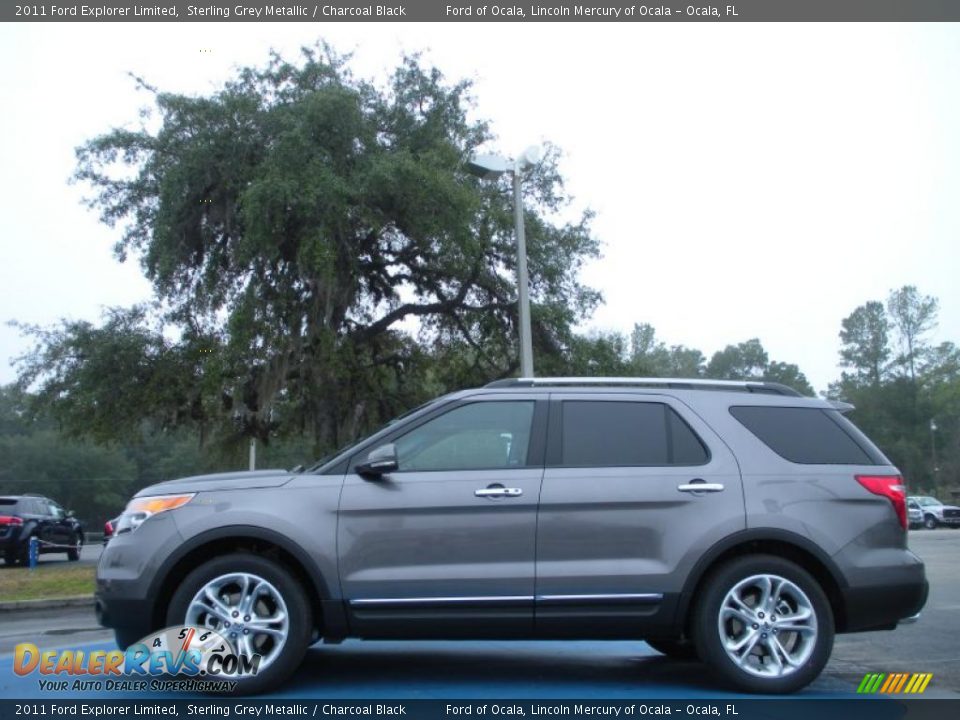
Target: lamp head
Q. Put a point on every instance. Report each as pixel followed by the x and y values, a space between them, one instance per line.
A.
pixel 488 167
pixel 530 157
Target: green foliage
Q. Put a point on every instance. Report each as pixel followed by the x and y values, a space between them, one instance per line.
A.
pixel 912 315
pixel 906 392
pixel 311 238
pixel 92 481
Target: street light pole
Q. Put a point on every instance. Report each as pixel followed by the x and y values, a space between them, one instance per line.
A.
pixel 526 339
pixel 493 166
pixel 933 449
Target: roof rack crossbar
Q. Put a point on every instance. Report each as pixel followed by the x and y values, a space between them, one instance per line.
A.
pixel 759 386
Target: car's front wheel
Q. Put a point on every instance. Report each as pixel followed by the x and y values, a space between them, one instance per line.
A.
pixel 930 522
pixel 73 554
pixel 255 604
pixel 764 625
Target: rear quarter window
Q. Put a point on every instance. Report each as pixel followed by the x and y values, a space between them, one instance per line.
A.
pixel 809 436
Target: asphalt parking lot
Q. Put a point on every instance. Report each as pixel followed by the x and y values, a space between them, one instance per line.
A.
pixel 427 670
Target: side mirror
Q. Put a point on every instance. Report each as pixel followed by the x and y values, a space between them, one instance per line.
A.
pixel 380 461
pixel 70 514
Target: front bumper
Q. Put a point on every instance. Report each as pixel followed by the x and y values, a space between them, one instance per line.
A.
pixel 126 595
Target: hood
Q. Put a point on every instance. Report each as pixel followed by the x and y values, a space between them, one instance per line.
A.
pixel 221 481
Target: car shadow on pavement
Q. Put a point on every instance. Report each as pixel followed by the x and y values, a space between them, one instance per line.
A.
pixel 488 669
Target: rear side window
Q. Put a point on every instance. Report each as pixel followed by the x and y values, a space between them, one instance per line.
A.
pixel 809 436
pixel 626 434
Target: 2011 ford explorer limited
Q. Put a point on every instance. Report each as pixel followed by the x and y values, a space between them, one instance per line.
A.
pixel 733 521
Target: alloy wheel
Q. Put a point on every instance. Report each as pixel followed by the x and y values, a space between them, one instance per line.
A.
pixel 247 610
pixel 767 626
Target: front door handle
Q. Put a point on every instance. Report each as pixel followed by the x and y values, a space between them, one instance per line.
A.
pixel 500 491
pixel 699 486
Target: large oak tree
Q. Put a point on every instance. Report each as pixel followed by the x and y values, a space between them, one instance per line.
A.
pixel 314 244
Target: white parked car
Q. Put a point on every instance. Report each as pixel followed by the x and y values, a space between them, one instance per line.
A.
pixel 935 513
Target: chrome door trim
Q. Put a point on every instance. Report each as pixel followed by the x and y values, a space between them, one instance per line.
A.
pixel 602 597
pixel 473 600
pixel 463 600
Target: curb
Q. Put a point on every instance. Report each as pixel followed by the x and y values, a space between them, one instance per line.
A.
pixel 73 601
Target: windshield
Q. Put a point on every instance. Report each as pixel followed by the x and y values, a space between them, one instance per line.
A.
pixel 929 502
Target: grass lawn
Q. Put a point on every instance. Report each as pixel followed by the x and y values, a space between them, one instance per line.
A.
pixel 50 581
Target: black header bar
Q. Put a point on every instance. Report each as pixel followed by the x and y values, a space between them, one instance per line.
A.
pixel 469 11
pixel 220 708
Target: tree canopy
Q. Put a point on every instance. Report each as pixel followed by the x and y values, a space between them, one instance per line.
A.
pixel 905 389
pixel 309 236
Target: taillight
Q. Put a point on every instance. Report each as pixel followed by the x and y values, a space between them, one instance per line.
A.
pixel 890 487
pixel 10 520
pixel 108 528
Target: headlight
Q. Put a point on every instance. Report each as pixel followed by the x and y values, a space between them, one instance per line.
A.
pixel 141 508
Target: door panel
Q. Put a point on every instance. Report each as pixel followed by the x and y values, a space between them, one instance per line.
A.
pixel 615 544
pixel 422 555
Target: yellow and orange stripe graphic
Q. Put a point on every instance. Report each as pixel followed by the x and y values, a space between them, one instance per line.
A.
pixel 894 683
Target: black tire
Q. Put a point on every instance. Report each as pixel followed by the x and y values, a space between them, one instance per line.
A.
pixel 292 592
pixel 707 627
pixel 10 558
pixel 674 648
pixel 930 522
pixel 73 554
pixel 125 638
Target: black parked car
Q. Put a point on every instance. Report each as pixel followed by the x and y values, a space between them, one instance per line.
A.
pixel 26 516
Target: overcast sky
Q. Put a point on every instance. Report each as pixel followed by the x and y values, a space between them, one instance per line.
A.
pixel 749 180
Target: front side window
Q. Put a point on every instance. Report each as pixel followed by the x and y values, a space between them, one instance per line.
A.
pixel 478 436
pixel 624 434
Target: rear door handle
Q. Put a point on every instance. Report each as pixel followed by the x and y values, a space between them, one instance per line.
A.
pixel 495 492
pixel 700 487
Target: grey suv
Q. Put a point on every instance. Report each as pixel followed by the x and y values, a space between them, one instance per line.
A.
pixel 737 522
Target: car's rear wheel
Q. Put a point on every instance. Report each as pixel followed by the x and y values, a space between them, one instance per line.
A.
pixel 674 648
pixel 257 605
pixel 764 625
pixel 23 553
pixel 930 522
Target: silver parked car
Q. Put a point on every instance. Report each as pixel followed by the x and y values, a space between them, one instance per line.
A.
pixel 934 513
pixel 733 521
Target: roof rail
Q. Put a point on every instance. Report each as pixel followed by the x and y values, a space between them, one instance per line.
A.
pixel 755 386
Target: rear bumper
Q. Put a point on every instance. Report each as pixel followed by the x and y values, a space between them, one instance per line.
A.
pixel 10 544
pixel 883 607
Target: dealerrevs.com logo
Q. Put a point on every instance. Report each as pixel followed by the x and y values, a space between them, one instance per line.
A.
pixel 181 657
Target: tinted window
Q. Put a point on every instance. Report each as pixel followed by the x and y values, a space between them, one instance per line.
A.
pixel 807 435
pixel 7 502
pixel 479 436
pixel 624 434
